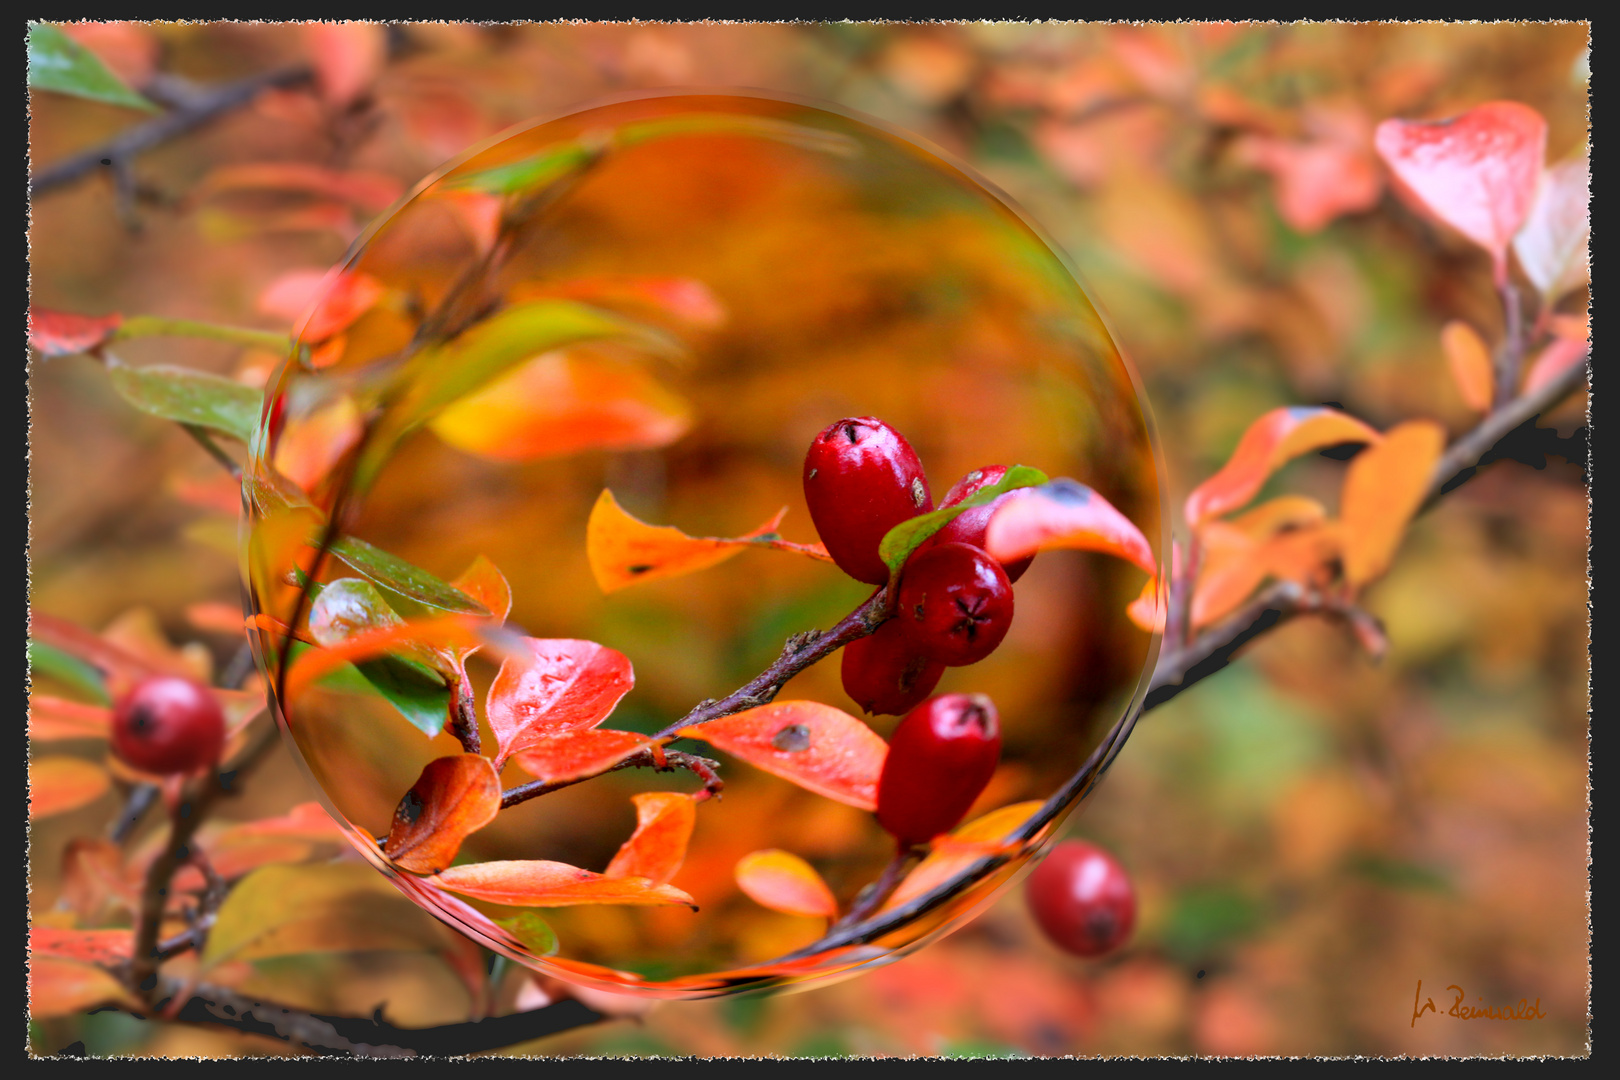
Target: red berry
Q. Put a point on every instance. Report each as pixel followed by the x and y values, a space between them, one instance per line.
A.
pixel 1082 898
pixel 955 603
pixel 167 725
pixel 969 526
pixel 861 479
pixel 940 758
pixel 885 673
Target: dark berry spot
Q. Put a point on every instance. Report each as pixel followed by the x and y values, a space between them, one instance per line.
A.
pixel 1101 925
pixel 410 808
pixel 141 718
pixel 793 739
pixel 640 568
pixel 850 431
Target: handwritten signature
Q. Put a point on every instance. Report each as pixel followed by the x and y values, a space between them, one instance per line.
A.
pixel 1523 1011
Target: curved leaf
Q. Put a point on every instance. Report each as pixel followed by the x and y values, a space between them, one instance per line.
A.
pixel 655 851
pixel 58 987
pixel 57 62
pixel 782 881
pixel 1275 438
pixel 64 666
pixel 1470 361
pixel 1476 172
pixel 816 746
pixel 57 718
pixel 553 686
pixel 321 303
pixel 538 883
pixel 351 606
pixel 531 931
pixel 1064 514
pixel 407 579
pixel 62 333
pixel 1382 490
pixel 486 585
pixel 189 397
pixel 950 859
pixel 1149 609
pixel 107 947
pixel 453 798
pixel 573 754
pixel 446 631
pixel 57 784
pixel 1238 554
pixel 899 542
pixel 1553 245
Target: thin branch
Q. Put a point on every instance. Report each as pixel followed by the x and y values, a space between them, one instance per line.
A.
pixel 704 768
pixel 871 898
pixel 192 110
pixel 140 800
pixel 206 441
pixel 1510 357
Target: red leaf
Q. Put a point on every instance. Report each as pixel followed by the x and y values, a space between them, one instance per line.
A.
pixel 1269 442
pixel 454 798
pixel 1470 360
pixel 1476 172
pixel 61 333
pixel 57 718
pixel 523 883
pixel 553 686
pixel 347 56
pixel 1382 490
pixel 1562 353
pixel 92 946
pixel 782 881
pixel 1553 245
pixel 655 851
pixel 1063 514
pixel 321 303
pixel 815 746
pixel 1320 179
pixel 57 784
pixel 573 754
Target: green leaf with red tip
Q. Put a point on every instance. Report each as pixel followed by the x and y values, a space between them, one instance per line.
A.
pixel 63 666
pixel 189 397
pixel 1271 441
pixel 899 542
pixel 531 931
pixel 818 747
pixel 1064 514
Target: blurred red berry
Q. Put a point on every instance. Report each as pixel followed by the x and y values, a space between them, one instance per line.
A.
pixel 1082 898
pixel 166 725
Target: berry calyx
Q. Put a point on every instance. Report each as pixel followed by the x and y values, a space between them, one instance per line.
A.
pixel 861 479
pixel 941 756
pixel 1082 898
pixel 885 674
pixel 955 603
pixel 970 525
pixel 167 725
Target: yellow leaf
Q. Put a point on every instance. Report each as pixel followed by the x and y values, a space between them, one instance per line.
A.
pixel 1383 488
pixel 1470 361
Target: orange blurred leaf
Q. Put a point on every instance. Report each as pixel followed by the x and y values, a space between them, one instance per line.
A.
pixel 538 883
pixel 484 582
pixel 782 881
pixel 1063 513
pixel 57 784
pixel 573 754
pixel 1148 610
pixel 562 403
pixel 306 821
pixel 58 987
pixel 685 299
pixel 453 798
pixel 57 718
pixel 1470 360
pixel 216 617
pixel 93 871
pixel 1564 352
pixel 370 191
pixel 1476 172
pixel 1275 438
pixel 623 550
pixel 1553 245
pixel 347 57
pixel 655 851
pixel 551 687
pixel 1383 488
pixel 320 303
pixel 1239 554
pixel 62 333
pixel 815 746
pixel 92 946
pixel 962 850
pixel 311 445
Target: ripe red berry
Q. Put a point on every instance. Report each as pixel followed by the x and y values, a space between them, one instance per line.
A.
pixel 861 479
pixel 955 603
pixel 940 758
pixel 167 724
pixel 1082 898
pixel 885 673
pixel 969 526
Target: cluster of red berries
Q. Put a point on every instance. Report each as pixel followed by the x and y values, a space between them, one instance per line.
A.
pixel 168 725
pixel 861 479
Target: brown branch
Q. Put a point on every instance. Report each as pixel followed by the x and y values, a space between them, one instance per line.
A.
pixel 192 109
pixel 704 768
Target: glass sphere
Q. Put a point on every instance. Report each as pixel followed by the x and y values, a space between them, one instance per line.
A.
pixel 516 520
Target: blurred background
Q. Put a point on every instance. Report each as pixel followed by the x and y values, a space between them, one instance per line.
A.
pixel 1310 834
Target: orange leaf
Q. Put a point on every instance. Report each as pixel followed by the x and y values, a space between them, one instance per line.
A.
pixel 57 718
pixel 623 550
pixel 347 57
pixel 58 987
pixel 655 851
pixel 92 946
pixel 219 618
pixel 962 850
pixel 1564 352
pixel 551 686
pixel 309 446
pixel 1275 438
pixel 368 190
pixel 1304 555
pixel 562 403
pixel 1470 360
pixel 573 754
pixel 453 798
pixel 484 582
pixel 686 299
pixel 321 303
pixel 1382 490
pixel 815 746
pixel 1476 172
pixel 525 883
pixel 93 870
pixel 57 784
pixel 782 881
pixel 1148 610
pixel 1238 554
pixel 62 333
pixel 306 821
pixel 1063 513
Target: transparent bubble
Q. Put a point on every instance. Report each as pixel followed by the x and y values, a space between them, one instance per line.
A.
pixel 667 298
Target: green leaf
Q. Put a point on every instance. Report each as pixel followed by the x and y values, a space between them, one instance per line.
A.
pixel 526 174
pixel 899 542
pixel 417 691
pixel 57 62
pixel 1398 874
pixel 189 397
pixel 154 326
pixel 67 668
pixel 533 931
pixel 1204 919
pixel 408 580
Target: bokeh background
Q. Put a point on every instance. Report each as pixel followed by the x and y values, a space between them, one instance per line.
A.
pixel 1310 834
